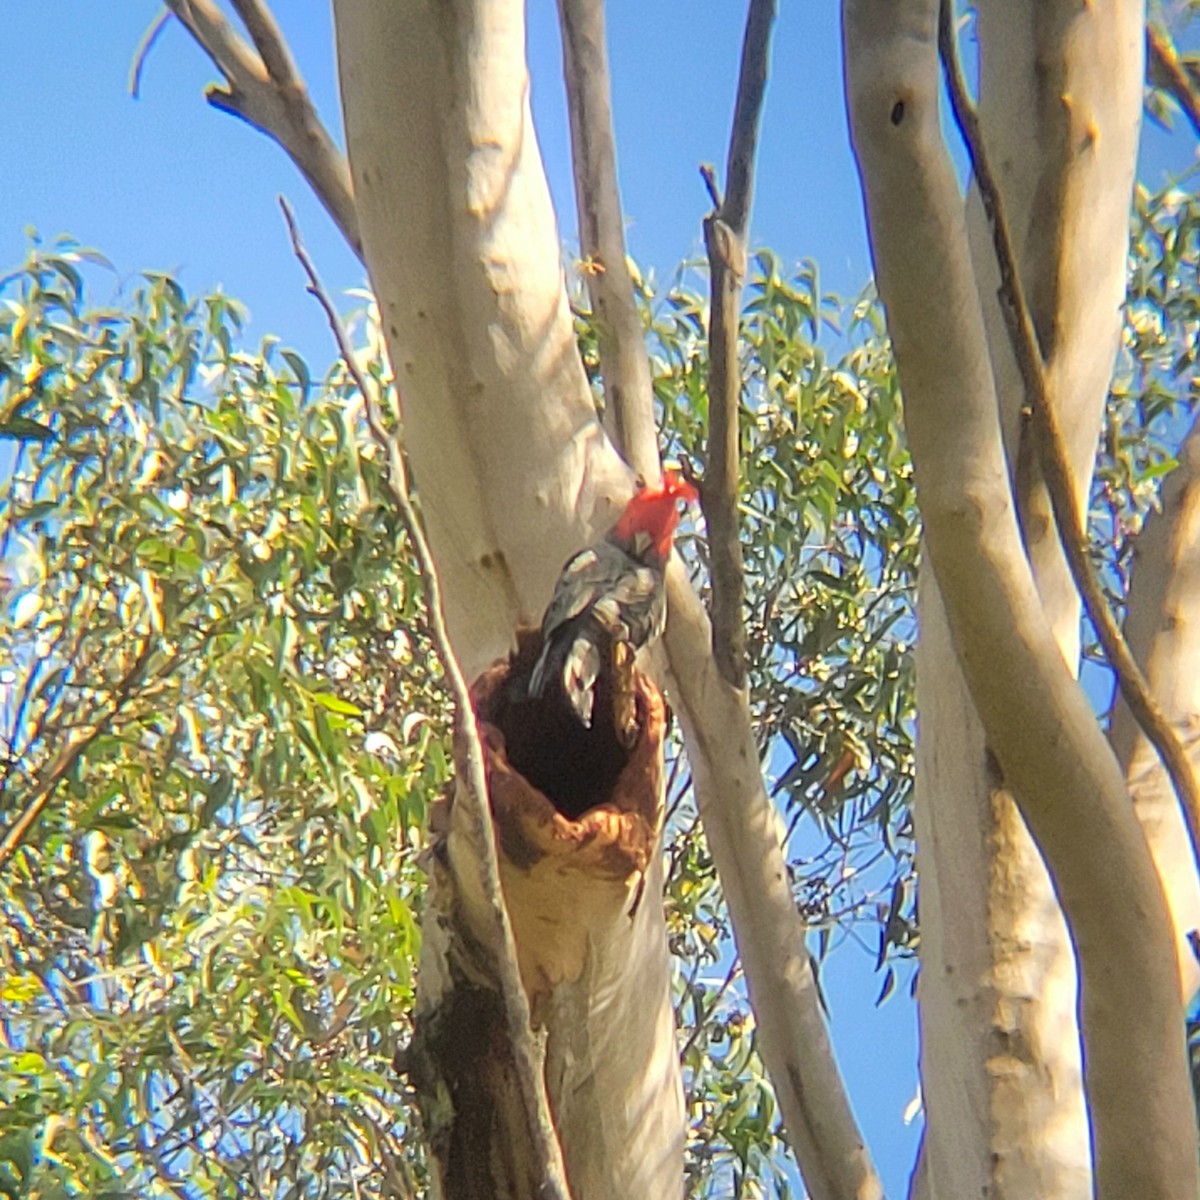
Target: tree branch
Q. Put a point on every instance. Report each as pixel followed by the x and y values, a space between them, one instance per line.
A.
pixel 70 754
pixel 526 1053
pixel 269 41
pixel 266 91
pixel 434 264
pixel 1052 453
pixel 142 51
pixel 1164 587
pixel 1166 71
pixel 725 240
pixel 742 829
pixel 624 364
pixel 708 665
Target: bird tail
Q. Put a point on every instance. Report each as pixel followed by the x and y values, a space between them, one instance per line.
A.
pixel 575 664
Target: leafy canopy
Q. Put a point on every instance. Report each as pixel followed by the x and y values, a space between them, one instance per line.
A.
pixel 221 721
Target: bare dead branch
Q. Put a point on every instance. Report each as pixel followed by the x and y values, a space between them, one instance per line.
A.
pixel 1052 454
pixel 516 1003
pixel 143 49
pixel 725 241
pixel 747 112
pixel 623 361
pixel 264 88
pixel 1166 71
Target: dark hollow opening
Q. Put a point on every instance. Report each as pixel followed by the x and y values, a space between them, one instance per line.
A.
pixel 574 767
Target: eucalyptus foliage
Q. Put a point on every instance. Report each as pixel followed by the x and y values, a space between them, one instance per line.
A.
pixel 217 679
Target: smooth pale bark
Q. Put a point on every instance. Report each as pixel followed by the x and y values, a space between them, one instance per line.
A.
pixel 461 242
pixel 512 467
pixel 1060 102
pixel 1037 721
pixel 1163 628
pixel 514 473
pixel 997 989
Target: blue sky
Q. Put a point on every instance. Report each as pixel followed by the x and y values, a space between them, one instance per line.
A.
pixel 168 183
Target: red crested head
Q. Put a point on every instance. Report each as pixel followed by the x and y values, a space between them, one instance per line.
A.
pixel 650 518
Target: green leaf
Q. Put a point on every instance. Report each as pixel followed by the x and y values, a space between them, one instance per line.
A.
pixel 336 704
pixel 26 429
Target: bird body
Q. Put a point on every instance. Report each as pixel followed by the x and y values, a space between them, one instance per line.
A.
pixel 610 599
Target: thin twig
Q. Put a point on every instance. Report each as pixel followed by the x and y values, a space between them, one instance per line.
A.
pixel 1052 454
pixel 516 1002
pixel 709 1009
pixel 624 363
pixel 71 753
pixel 725 239
pixel 264 89
pixel 142 52
pixel 1167 72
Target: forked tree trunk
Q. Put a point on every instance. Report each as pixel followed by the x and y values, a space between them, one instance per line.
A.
pixel 999 984
pixel 1001 1077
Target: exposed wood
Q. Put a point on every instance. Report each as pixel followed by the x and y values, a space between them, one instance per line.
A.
pixel 574 885
pixel 512 467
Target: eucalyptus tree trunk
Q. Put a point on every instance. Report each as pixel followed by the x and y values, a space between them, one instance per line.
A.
pixel 515 474
pixel 1044 926
pixel 1007 1111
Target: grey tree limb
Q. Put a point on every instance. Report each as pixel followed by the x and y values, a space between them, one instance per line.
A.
pixel 725 230
pixel 264 88
pixel 625 368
